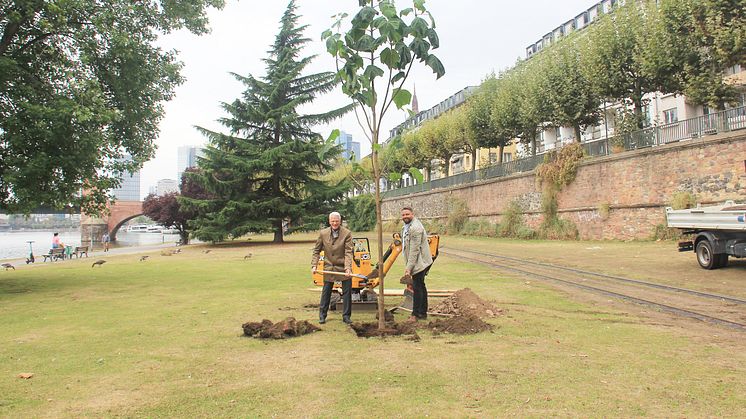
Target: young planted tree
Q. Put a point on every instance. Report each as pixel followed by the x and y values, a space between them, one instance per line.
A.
pixel 374 59
pixel 267 169
pixel 82 84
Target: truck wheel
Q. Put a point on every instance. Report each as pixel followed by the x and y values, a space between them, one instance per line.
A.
pixel 706 258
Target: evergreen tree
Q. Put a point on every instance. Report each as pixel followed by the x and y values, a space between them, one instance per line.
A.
pixel 267 169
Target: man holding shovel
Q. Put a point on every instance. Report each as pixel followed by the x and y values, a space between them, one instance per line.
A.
pixel 336 242
pixel 417 257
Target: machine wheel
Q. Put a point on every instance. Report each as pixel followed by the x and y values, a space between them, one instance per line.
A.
pixel 706 258
pixel 336 297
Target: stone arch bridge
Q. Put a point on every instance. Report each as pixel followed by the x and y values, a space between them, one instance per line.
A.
pixel 119 213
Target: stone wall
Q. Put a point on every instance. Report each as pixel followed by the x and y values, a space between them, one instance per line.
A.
pixel 636 186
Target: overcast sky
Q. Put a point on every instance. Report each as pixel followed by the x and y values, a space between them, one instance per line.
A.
pixel 476 38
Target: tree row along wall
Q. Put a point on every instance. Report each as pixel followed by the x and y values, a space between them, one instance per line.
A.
pixel 636 186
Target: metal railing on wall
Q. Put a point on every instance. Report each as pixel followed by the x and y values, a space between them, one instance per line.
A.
pixel 686 129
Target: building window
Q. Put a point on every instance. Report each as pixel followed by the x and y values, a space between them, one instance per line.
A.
pixel 507 157
pixel 493 158
pixel 671 115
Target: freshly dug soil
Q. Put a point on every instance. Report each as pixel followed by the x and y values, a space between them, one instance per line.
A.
pixel 287 328
pixel 466 303
pixel 368 330
pixel 459 325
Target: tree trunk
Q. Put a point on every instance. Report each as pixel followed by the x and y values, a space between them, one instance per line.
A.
pixel 578 134
pixel 474 160
pixel 533 144
pixel 637 102
pixel 379 232
pixel 500 154
pixel 447 165
pixel 278 232
pixel 184 236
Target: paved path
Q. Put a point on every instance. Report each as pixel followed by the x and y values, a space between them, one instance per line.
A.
pixel 98 253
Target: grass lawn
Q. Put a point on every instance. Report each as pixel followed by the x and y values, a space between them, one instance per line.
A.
pixel 163 338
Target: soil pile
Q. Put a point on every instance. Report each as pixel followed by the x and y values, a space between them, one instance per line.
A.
pixel 287 328
pixel 466 303
pixel 459 325
pixel 368 330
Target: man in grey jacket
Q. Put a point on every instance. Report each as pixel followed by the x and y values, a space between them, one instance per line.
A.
pixel 418 259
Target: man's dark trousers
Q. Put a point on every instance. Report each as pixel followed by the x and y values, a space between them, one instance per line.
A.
pixel 419 305
pixel 326 297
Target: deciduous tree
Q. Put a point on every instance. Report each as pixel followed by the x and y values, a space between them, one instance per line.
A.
pixel 82 85
pixel 375 56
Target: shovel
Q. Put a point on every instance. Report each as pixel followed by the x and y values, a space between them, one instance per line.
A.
pixel 343 274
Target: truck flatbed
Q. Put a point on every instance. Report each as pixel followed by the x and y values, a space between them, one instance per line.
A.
pixel 726 217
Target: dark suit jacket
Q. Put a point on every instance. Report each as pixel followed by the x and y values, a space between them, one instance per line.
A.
pixel 337 252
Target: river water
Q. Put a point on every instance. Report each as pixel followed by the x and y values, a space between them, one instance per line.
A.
pixel 13 245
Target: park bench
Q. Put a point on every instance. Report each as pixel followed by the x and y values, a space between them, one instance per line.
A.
pixel 79 251
pixel 56 253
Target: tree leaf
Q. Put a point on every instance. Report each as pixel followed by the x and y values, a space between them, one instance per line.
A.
pixel 420 5
pixel 364 17
pixel 432 36
pixel 390 58
pixel 434 63
pixel 372 72
pixel 333 135
pixel 402 98
pixel 416 174
pixel 387 9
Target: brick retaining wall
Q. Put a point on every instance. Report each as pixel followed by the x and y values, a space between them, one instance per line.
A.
pixel 637 186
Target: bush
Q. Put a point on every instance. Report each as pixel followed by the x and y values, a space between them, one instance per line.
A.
pixel 392 226
pixel 683 200
pixel 512 221
pixel 481 227
pixel 662 232
pixel 434 226
pixel 458 214
pixel 558 229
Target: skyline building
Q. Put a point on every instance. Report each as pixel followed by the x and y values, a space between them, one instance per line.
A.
pixel 349 148
pixel 187 157
pixel 166 186
pixel 129 189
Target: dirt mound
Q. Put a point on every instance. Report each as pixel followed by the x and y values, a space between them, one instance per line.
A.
pixel 466 303
pixel 459 325
pixel 287 328
pixel 368 330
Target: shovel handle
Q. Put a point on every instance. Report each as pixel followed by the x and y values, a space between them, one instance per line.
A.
pixel 342 274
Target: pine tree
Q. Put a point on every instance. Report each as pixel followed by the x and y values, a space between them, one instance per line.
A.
pixel 267 169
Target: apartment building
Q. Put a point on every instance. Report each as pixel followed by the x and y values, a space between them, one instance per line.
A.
pixel 660 110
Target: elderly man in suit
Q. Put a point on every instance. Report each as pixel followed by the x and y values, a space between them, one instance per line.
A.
pixel 416 252
pixel 336 242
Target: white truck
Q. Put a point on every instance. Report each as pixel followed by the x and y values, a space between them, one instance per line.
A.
pixel 717 232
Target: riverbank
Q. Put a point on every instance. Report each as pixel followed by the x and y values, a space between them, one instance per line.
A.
pixel 14 245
